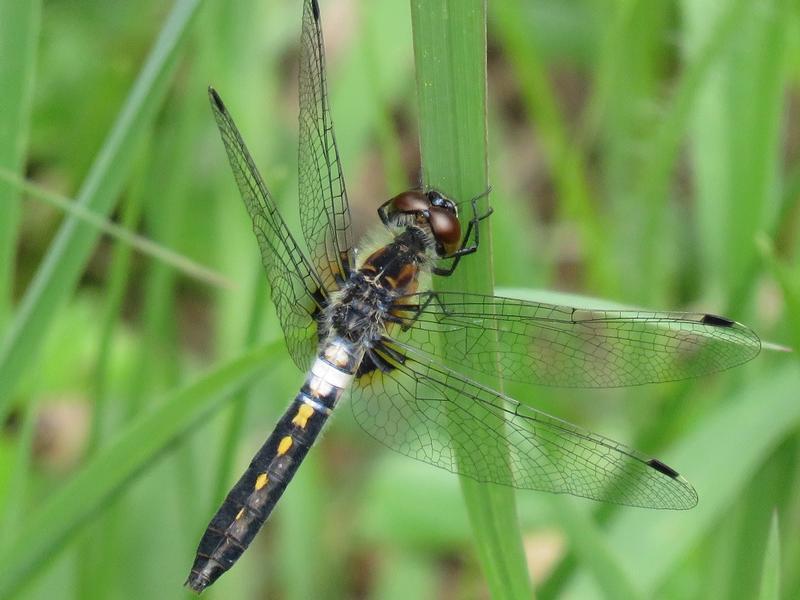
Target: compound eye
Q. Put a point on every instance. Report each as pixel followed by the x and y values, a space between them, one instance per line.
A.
pixel 410 201
pixel 446 230
pixel 441 201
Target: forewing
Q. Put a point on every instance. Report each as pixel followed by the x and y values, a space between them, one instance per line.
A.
pixel 546 344
pixel 426 411
pixel 296 287
pixel 324 211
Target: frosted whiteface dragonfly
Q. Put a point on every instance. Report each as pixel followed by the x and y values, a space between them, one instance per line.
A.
pixel 366 329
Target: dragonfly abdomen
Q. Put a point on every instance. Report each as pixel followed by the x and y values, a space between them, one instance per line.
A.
pixel 250 502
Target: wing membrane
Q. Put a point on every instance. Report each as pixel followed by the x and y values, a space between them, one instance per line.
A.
pixel 426 411
pixel 324 212
pixel 547 344
pixel 296 287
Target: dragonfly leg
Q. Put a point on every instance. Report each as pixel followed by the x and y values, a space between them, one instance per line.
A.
pixel 395 355
pixel 384 217
pixel 378 361
pixel 467 247
pixel 416 309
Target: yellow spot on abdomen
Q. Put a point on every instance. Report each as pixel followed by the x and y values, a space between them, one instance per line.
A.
pixel 261 481
pixel 240 513
pixel 284 445
pixel 303 415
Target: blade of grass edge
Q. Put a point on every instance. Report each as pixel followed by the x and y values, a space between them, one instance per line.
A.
pixel 69 251
pixel 450 60
pixel 113 468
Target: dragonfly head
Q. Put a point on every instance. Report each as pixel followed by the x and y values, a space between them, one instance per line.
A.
pixel 433 211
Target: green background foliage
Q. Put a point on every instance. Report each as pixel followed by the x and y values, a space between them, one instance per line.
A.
pixel 646 152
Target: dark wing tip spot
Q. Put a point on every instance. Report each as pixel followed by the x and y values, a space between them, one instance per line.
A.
pixel 662 468
pixel 315 9
pixel 717 321
pixel 212 93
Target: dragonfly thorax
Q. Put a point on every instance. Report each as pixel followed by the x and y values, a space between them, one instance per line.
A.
pixel 358 313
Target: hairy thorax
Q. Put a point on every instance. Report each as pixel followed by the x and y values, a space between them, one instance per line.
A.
pixel 360 311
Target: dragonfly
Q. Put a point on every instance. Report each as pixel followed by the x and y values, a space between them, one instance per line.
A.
pixel 368 329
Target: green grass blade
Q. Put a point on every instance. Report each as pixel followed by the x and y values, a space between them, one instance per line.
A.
pixel 450 58
pixel 61 267
pixel 449 49
pixel 126 235
pixel 19 35
pixel 113 468
pixel 771 572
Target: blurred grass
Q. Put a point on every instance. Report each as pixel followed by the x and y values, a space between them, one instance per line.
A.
pixel 19 31
pixel 642 152
pixel 132 450
pixel 68 253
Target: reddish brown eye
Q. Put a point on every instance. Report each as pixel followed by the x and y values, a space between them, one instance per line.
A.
pixel 446 229
pixel 410 201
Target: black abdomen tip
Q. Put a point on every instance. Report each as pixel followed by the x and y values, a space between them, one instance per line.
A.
pixel 662 468
pixel 717 321
pixel 203 574
pixel 315 9
pixel 196 582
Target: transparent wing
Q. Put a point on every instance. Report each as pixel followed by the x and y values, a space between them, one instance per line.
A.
pixel 426 411
pixel 296 287
pixel 546 344
pixel 324 212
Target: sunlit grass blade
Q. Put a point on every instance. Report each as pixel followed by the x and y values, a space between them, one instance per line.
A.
pixel 450 59
pixel 64 512
pixel 61 267
pixel 771 572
